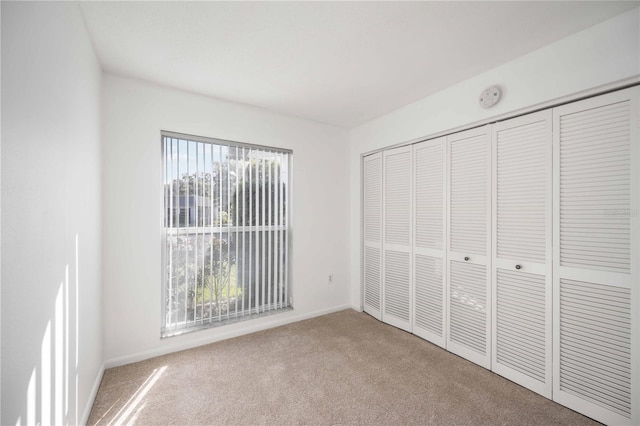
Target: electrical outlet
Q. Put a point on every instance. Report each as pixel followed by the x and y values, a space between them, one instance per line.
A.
pixel 330 278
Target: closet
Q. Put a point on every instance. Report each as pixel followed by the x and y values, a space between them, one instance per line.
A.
pixel 372 259
pixel 516 245
pixel 596 280
pixel 469 245
pixel 397 220
pixel 430 187
pixel 521 265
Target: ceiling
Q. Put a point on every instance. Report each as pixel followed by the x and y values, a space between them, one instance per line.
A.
pixel 341 63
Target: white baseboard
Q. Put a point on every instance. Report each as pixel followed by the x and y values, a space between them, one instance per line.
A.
pixel 252 326
pixel 92 396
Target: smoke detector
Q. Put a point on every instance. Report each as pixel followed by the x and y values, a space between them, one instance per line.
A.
pixel 489 97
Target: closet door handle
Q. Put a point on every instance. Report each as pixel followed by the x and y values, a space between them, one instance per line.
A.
pixel 518 267
pixel 466 258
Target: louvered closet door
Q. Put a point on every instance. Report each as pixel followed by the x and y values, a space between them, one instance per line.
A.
pixel 522 257
pixel 469 245
pixel 429 299
pixel 596 188
pixel 398 219
pixel 372 250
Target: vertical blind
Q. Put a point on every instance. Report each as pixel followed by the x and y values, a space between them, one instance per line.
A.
pixel 226 231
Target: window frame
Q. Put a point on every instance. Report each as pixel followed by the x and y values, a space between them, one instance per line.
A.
pixel 259 232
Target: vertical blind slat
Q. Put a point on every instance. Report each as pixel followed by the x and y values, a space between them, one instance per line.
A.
pixel 244 224
pixel 218 289
pixel 283 301
pixel 277 233
pixel 286 229
pixel 186 275
pixel 257 221
pixel 168 223
pixel 210 314
pixel 173 298
pixel 235 222
pixel 196 257
pixel 228 230
pixel 250 262
pixel 264 223
pixel 270 223
pixel 168 154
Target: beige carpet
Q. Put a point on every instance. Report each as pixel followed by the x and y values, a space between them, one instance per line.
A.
pixel 343 368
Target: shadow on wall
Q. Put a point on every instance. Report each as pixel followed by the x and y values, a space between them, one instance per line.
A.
pixel 52 391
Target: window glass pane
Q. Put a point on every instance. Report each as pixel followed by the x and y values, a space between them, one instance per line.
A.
pixel 225 233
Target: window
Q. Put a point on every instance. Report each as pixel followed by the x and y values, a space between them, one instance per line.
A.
pixel 226 232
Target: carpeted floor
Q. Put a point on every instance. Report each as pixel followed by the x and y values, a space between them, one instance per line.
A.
pixel 343 368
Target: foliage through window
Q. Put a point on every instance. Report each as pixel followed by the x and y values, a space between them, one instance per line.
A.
pixel 226 231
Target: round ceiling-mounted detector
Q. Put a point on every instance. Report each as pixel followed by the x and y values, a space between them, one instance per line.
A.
pixel 489 97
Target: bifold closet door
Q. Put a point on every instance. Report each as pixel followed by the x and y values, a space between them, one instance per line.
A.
pixel 429 163
pixel 469 245
pixel 372 250
pixel 522 256
pixel 398 220
pixel 596 236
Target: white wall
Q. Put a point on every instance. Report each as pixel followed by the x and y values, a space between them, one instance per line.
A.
pixel 599 55
pixel 134 113
pixel 51 309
